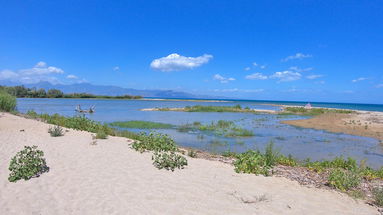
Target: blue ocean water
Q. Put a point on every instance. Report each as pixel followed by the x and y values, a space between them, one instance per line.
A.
pixel 300 142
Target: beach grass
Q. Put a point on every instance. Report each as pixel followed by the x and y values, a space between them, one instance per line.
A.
pixel 141 124
pixel 312 111
pixel 202 108
pixel 221 128
pixel 7 102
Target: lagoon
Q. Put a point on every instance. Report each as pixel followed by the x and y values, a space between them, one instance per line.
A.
pixel 301 143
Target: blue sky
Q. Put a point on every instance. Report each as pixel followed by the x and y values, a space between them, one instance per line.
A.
pixel 275 50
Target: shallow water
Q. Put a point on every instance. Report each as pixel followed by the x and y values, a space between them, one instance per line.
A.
pixel 299 142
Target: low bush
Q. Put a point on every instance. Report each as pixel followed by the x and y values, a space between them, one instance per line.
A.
pixel 7 102
pixel 378 196
pixel 168 160
pixel 192 153
pixel 56 131
pixel 27 163
pixel 154 142
pixel 344 180
pixel 101 135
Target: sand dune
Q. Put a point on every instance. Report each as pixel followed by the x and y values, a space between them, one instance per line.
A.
pixel 111 178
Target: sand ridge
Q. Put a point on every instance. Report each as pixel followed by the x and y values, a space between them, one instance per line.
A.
pixel 112 178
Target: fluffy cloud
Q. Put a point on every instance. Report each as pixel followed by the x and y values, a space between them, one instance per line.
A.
pixel 176 62
pixel 71 77
pixel 313 76
pixel 222 79
pixel 116 68
pixel 297 56
pixel 359 79
pixel 256 76
pixel 40 72
pixel 286 76
pixel 247 68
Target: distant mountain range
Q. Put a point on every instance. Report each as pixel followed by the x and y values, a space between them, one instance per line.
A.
pixel 109 90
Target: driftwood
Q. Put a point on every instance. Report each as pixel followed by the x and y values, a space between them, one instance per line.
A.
pixel 91 109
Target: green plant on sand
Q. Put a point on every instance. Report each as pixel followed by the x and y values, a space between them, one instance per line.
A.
pixel 56 131
pixel 27 163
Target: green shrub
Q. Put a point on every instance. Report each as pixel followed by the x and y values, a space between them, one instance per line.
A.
pixel 252 162
pixel 7 102
pixel 32 114
pixel 27 163
pixel 344 179
pixel 378 196
pixel 192 153
pixel 101 135
pixel 154 142
pixel 56 131
pixel 168 160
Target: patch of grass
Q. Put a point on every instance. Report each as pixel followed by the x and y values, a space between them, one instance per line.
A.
pixel 101 135
pixel 221 128
pixel 7 102
pixel 56 131
pixel 142 125
pixel 192 153
pixel 312 111
pixel 378 196
pixel 27 163
pixel 344 180
pixel 168 160
pixel 201 108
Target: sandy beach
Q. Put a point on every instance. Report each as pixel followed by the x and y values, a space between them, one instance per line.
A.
pixel 361 123
pixel 112 178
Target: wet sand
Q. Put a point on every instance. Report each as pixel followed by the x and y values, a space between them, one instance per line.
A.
pixel 361 123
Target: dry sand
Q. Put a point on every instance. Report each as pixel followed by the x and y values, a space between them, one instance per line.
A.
pixel 361 123
pixel 111 178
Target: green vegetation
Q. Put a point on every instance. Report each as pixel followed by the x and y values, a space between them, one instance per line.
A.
pixel 221 127
pixel 101 135
pixel 56 131
pixel 378 196
pixel 141 125
pixel 168 160
pixel 7 102
pixel 154 142
pixel 23 92
pixel 27 163
pixel 344 180
pixel 192 153
pixel 200 108
pixel 76 122
pixel 312 111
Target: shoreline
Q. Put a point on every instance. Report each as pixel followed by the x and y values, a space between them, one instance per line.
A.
pixel 81 175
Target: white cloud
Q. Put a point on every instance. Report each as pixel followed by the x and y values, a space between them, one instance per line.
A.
pixel 247 68
pixel 116 68
pixel 263 67
pixel 176 62
pixel 313 76
pixel 256 76
pixel 286 76
pixel 71 77
pixel 255 64
pixel 222 79
pixel 41 64
pixel 239 90
pixel 297 69
pixel 359 79
pixel 298 56
pixel 40 72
